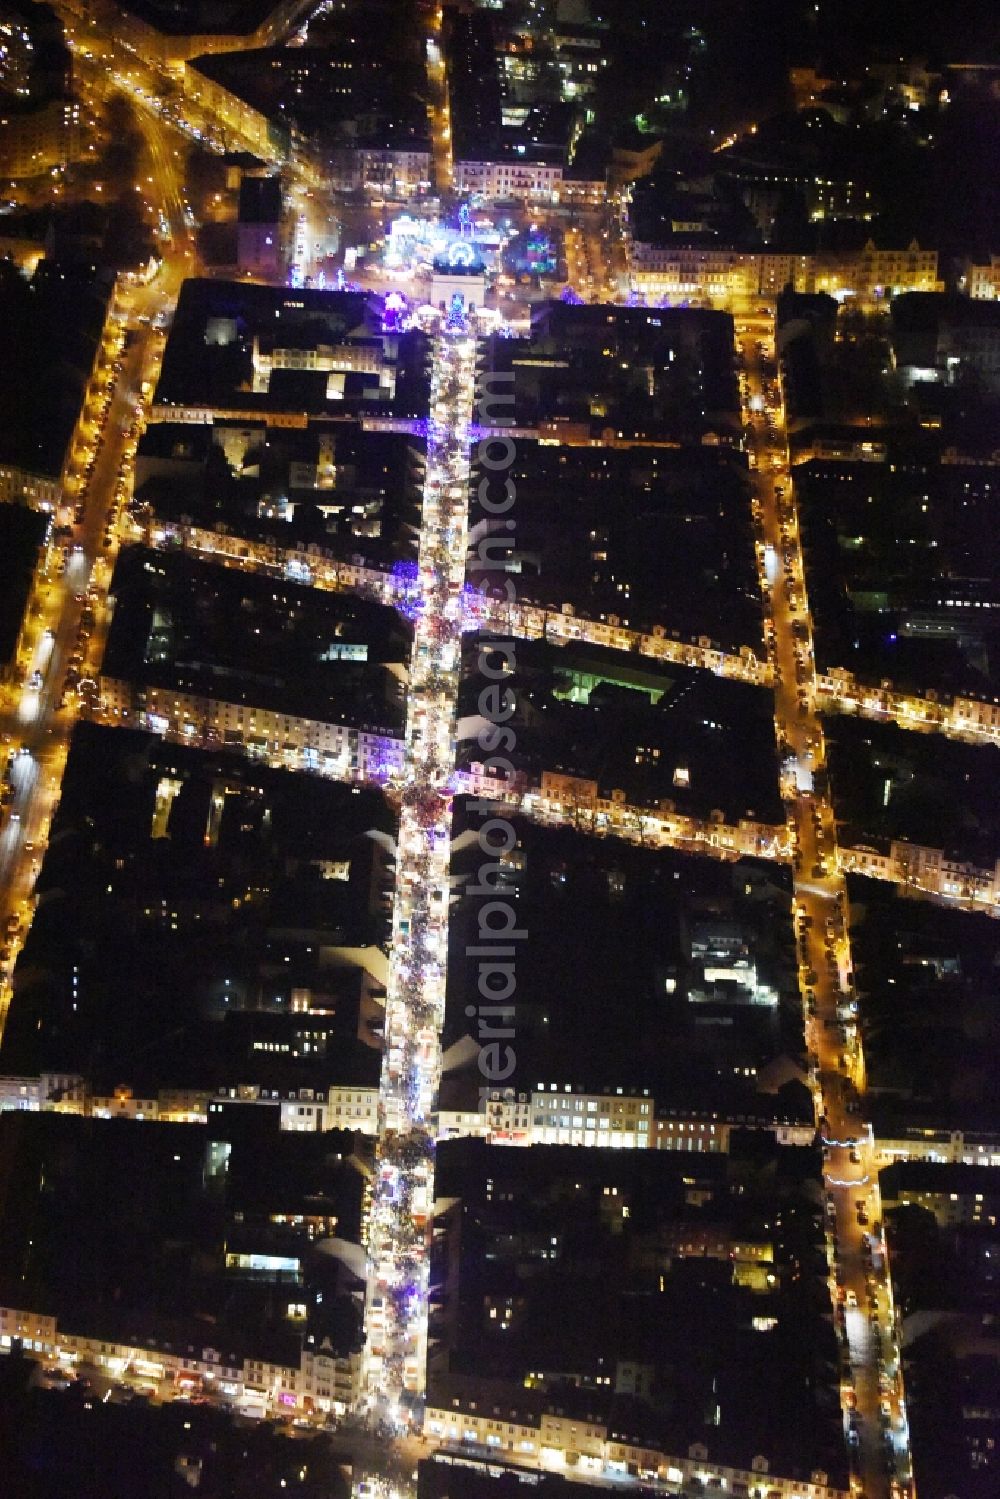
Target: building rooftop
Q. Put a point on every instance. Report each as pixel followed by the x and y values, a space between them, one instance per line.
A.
pixel 649 524
pixel 203 17
pixel 927 311
pixel 140 1223
pixel 260 200
pixel 652 1243
pixel 937 1178
pixel 665 736
pixel 656 373
pixel 926 978
pixel 22 533
pixel 356 85
pixel 937 793
pixel 332 486
pixel 243 638
pixel 52 325
pixel 902 578
pixel 134 1449
pixel 179 886
pixel 635 906
pixel 892 1117
pixel 213 355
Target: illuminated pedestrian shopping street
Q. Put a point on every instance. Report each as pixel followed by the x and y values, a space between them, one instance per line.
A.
pixel 400 1219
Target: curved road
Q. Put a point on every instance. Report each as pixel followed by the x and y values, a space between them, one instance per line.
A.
pixel 36 722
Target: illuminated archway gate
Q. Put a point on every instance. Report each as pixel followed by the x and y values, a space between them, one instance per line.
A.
pixel 399 1222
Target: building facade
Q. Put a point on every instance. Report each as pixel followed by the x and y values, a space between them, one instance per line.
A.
pixel 543 1436
pixel 686 272
pixel 322 1381
pixel 537 182
pixel 36 141
pixel 349 752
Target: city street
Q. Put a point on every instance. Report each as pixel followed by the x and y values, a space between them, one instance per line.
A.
pixel 38 717
pixel 36 722
pixel 591 268
pixel 399 1224
pixel 870 1380
pixel 438 111
pixel 657 230
pixel 67 610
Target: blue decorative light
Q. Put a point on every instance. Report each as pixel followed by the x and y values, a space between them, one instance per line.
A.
pixel 474 608
pixel 456 320
pixel 394 310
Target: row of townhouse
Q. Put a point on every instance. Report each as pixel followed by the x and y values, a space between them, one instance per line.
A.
pixel 365 754
pixel 897 1139
pixel 536 1434
pixel 962 716
pixel 932 870
pixel 299 1110
pixel 954 1194
pixel 981 281
pixel 705 271
pixel 206 416
pixel 311 564
pixel 979 717
pixel 266 137
pixel 42 491
pixel 584 192
pixel 322 1380
pixel 623 1119
pixel 535 181
pixel 840 691
pixel 563 1114
pixel 566 624
pixel 552 1114
pixel 562 798
pixel 509 179
pixel 302 1109
pixel 534 621
pixel 975 715
pixel 350 752
pixel 382 171
pixel 692 271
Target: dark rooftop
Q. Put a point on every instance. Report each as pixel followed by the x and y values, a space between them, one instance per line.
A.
pixel 260 200
pixel 22 532
pixel 208 359
pixel 147 936
pixel 51 326
pixel 202 17
pixel 939 1177
pixel 248 639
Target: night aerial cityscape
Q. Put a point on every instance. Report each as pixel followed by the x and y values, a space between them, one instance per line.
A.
pixel 500 714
